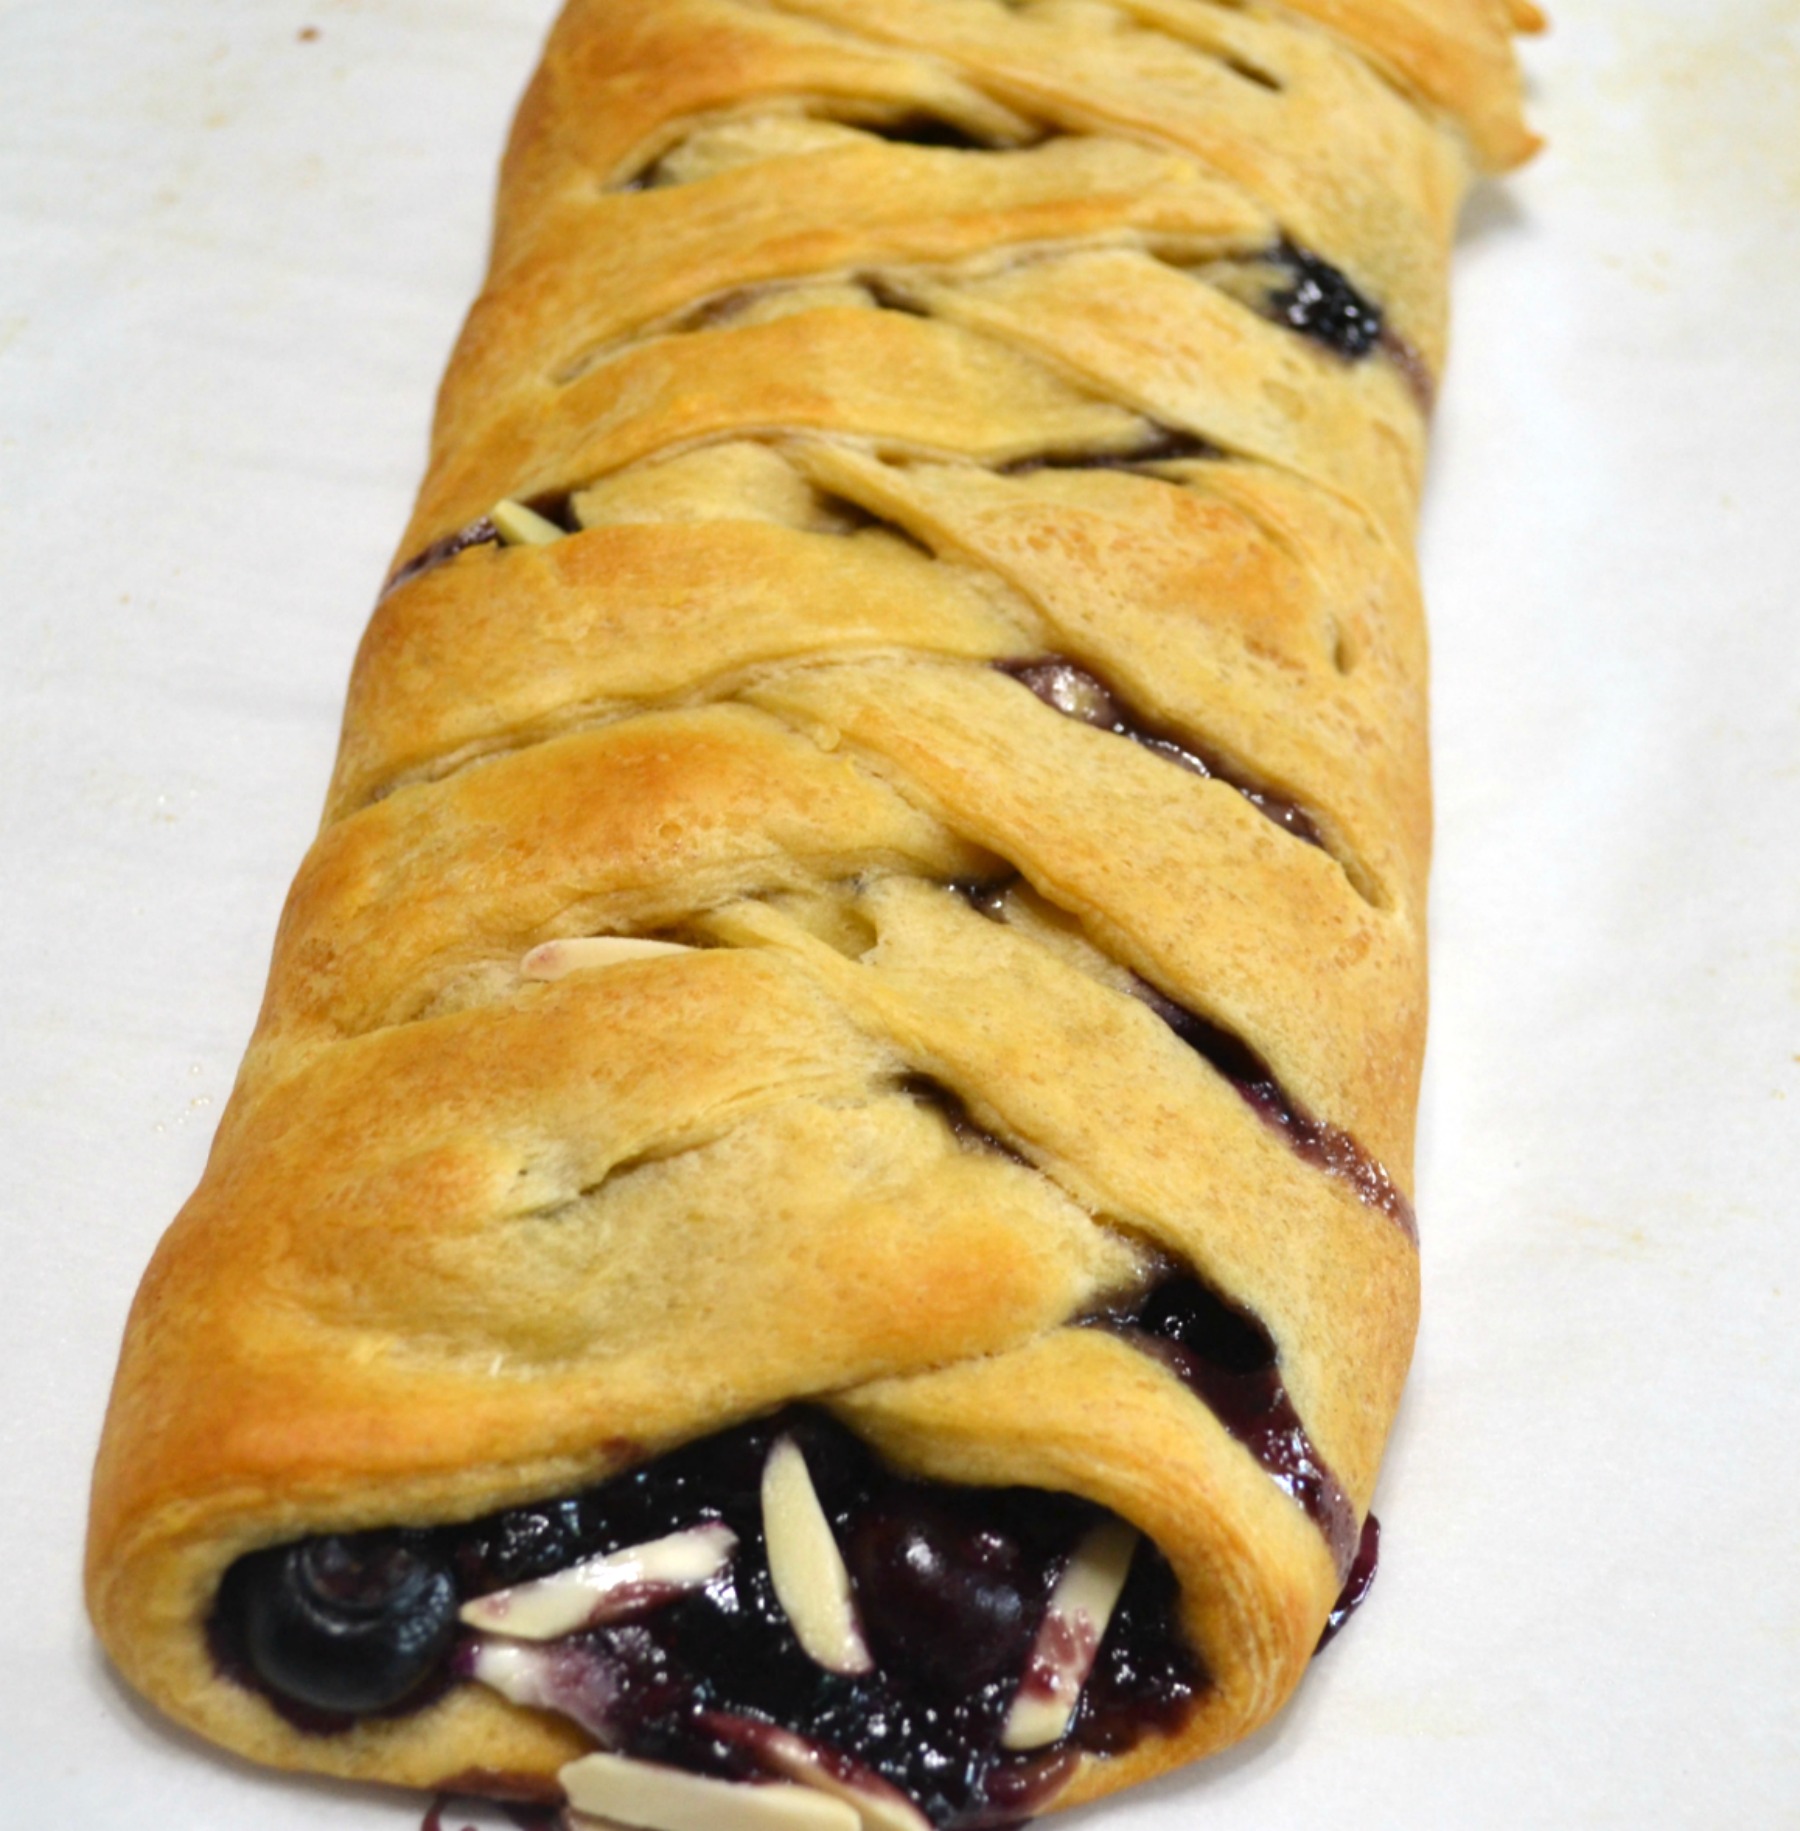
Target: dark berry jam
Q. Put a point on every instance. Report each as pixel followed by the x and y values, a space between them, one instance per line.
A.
pixel 481 533
pixel 955 1114
pixel 1163 446
pixel 1324 1145
pixel 1357 1585
pixel 1320 303
pixel 951 1585
pixel 987 896
pixel 1076 693
pixel 1327 1147
pixel 1227 1359
pixel 925 130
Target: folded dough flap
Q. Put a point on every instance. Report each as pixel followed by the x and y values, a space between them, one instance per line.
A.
pixel 846 371
pixel 432 895
pixel 510 645
pixel 545 322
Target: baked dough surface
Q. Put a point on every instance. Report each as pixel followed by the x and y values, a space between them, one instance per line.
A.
pixel 859 345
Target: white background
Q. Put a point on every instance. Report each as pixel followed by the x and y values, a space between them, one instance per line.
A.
pixel 231 264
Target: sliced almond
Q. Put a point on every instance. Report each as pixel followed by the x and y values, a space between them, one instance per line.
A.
pixel 811 1582
pixel 602 1589
pixel 571 1678
pixel 553 959
pixel 667 1799
pixel 1062 1656
pixel 519 526
pixel 877 1805
pixel 517 1673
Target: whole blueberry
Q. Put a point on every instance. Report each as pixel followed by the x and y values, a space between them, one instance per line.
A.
pixel 943 1598
pixel 348 1624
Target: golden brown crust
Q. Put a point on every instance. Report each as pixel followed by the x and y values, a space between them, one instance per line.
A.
pixel 842 420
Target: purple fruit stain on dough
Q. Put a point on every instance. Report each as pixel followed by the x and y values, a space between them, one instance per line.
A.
pixel 951 1584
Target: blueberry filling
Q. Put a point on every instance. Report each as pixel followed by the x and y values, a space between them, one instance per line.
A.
pixel 956 1115
pixel 1320 303
pixel 481 532
pixel 1226 1358
pixel 1325 1146
pixel 951 1585
pixel 1074 692
pixel 987 896
pixel 1305 294
pixel 925 130
pixel 1164 446
pixel 1320 1143
pixel 1357 1585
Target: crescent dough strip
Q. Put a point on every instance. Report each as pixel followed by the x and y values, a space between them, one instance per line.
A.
pixel 878 852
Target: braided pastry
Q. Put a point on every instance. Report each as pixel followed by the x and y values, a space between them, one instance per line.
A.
pixel 835 1101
